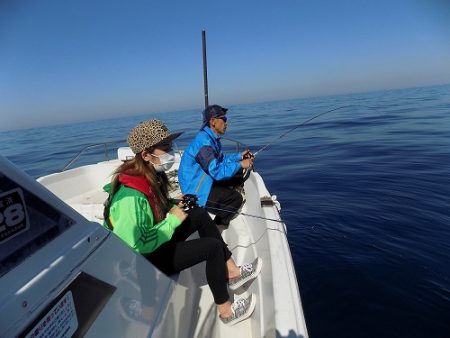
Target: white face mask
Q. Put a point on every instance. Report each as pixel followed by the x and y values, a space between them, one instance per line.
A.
pixel 167 160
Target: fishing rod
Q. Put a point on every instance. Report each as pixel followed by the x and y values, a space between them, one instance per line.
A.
pixel 305 122
pixel 189 201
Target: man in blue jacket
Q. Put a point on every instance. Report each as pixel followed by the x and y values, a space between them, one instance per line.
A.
pixel 206 171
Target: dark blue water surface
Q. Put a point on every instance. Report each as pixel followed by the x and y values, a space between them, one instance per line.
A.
pixel 365 193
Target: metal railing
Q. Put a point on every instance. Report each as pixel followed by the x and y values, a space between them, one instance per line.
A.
pixel 239 146
pixel 104 145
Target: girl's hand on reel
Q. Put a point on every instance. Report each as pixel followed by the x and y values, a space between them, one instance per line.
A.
pixel 187 202
pixel 178 212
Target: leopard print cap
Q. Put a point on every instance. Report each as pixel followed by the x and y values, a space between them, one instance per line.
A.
pixel 147 134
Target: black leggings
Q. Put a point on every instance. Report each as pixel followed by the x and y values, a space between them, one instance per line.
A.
pixel 178 254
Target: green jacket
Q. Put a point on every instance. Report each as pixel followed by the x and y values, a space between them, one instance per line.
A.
pixel 132 218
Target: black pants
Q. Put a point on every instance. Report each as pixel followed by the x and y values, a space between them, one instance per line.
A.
pixel 223 195
pixel 179 254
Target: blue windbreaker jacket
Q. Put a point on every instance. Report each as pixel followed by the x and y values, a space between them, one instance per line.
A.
pixel 204 162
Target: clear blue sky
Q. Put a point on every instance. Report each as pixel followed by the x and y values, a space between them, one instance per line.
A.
pixel 77 60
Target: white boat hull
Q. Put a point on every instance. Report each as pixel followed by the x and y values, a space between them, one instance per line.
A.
pixel 178 306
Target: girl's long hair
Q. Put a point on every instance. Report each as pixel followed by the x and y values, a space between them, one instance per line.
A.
pixel 159 182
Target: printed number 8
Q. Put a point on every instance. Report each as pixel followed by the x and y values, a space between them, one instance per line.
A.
pixel 12 215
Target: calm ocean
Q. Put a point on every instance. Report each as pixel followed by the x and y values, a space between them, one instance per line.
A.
pixel 364 190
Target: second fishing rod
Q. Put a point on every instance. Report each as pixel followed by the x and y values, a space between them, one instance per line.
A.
pixel 190 201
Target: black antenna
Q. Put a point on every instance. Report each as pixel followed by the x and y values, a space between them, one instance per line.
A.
pixel 205 68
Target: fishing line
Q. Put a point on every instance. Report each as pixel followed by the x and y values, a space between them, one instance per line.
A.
pixel 190 201
pixel 278 229
pixel 245 214
pixel 305 122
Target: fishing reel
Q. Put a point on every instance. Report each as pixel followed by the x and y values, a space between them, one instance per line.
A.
pixel 246 172
pixel 189 201
pixel 249 154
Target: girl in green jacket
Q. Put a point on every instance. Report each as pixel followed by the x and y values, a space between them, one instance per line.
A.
pixel 141 213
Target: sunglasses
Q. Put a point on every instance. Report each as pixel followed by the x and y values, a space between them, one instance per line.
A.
pixel 223 118
pixel 163 146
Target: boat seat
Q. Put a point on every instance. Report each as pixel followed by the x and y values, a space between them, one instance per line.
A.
pixel 125 154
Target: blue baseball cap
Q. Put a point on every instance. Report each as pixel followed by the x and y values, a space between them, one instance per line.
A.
pixel 212 111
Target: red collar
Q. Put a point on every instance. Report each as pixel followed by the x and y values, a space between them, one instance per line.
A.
pixel 139 183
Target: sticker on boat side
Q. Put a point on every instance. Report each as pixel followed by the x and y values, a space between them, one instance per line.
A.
pixel 60 321
pixel 13 214
pixel 27 222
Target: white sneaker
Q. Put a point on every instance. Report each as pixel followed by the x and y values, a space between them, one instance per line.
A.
pixel 249 271
pixel 241 309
